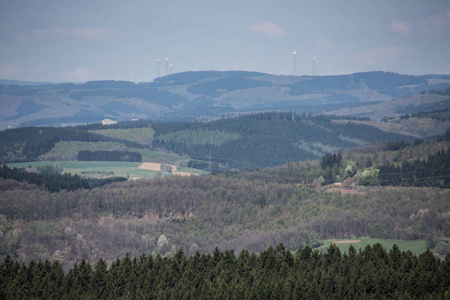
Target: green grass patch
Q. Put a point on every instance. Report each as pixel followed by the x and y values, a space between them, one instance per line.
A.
pixel 69 150
pixel 417 247
pixel 97 169
pixel 138 135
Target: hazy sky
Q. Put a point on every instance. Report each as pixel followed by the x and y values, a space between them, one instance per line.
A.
pixel 59 40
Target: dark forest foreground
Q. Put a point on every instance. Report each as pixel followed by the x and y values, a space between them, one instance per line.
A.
pixel 275 273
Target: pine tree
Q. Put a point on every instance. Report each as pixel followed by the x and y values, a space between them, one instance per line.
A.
pixel 99 280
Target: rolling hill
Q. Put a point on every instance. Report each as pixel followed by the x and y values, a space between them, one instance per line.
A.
pixel 235 210
pixel 286 194
pixel 246 142
pixel 191 95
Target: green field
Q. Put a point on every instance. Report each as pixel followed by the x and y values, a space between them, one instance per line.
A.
pixel 139 135
pixel 97 168
pixel 69 151
pixel 417 247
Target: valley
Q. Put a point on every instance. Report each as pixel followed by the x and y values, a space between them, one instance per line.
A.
pixel 225 149
pixel 241 183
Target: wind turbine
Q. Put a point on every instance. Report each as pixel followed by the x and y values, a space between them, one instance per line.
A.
pixel 294 67
pixel 170 69
pixel 314 66
pixel 166 66
pixel 157 68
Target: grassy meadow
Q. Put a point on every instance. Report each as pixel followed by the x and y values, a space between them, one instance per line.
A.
pixel 69 151
pixel 417 246
pixel 97 168
pixel 139 135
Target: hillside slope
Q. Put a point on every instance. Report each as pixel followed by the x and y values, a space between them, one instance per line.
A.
pixel 201 213
pixel 191 95
pixel 246 142
pixel 233 210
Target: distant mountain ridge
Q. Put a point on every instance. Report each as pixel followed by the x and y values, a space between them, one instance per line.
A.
pixel 21 82
pixel 193 95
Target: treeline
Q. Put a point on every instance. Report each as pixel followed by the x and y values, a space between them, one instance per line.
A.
pixel 440 92
pixel 275 273
pixel 396 145
pixel 440 115
pixel 99 182
pixel 446 136
pixel 435 171
pixel 85 155
pixel 211 167
pixel 331 160
pixel 53 182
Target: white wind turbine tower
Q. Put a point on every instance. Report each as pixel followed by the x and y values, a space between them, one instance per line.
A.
pixel 170 69
pixel 294 67
pixel 314 66
pixel 167 70
pixel 132 76
pixel 157 68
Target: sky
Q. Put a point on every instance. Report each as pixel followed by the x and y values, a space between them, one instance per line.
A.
pixel 78 41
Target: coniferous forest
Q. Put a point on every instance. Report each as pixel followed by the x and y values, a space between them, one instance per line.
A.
pixel 431 172
pixel 53 182
pixel 275 273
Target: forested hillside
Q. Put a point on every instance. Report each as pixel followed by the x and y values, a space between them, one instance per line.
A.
pixel 201 213
pixel 266 139
pixel 332 178
pixel 435 171
pixel 26 144
pixel 245 142
pixel 397 163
